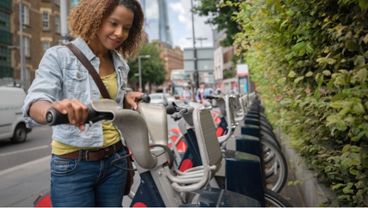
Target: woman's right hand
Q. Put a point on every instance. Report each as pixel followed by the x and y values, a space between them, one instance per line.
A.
pixel 77 112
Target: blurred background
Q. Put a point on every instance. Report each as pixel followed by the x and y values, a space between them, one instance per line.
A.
pixel 182 48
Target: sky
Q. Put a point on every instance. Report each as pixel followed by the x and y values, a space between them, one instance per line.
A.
pixel 180 21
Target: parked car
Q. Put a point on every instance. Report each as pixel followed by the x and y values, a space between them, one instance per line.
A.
pixel 12 125
pixel 161 98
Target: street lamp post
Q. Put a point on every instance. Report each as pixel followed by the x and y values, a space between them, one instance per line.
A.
pixel 140 70
pixel 21 49
pixel 64 21
pixel 196 74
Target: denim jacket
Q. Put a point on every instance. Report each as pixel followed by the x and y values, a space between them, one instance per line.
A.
pixel 61 75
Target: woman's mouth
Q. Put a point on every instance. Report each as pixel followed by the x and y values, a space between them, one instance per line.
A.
pixel 116 41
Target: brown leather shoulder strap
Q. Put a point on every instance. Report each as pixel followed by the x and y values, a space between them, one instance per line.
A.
pixel 92 71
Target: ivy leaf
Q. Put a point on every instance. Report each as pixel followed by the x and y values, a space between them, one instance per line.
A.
pixel 299 48
pixel 309 48
pixel 340 104
pixel 346 148
pixel 365 39
pixel 359 61
pixel 297 80
pixel 281 81
pixel 360 76
pixel 354 171
pixel 324 60
pixel 339 79
pixel 339 29
pixel 364 155
pixel 352 45
pixel 337 122
pixel 326 73
pixel 291 74
pixel 309 74
pixel 337 186
pixel 319 79
pixel 358 108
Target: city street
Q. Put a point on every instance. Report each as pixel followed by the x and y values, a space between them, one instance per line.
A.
pixel 36 146
pixel 293 77
pixel 24 170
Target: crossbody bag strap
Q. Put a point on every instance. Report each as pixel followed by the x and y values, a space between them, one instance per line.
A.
pixel 92 71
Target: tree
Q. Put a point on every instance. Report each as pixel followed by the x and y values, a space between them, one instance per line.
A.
pixel 221 14
pixel 153 71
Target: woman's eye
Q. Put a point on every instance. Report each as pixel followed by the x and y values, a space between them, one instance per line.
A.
pixel 114 23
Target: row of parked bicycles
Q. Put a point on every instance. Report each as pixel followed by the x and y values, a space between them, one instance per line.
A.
pixel 234 160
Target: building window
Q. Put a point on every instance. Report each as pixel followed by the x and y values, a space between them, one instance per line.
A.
pixel 4 21
pixel 4 55
pixel 25 14
pixel 27 47
pixel 2 24
pixel 45 45
pixel 45 21
pixel 57 24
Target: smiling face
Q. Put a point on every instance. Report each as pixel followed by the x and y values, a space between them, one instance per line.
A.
pixel 115 28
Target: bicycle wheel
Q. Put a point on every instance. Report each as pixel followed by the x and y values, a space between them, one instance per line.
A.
pixel 270 136
pixel 275 200
pixel 276 169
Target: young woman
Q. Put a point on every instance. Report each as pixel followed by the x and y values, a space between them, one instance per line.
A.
pixel 81 169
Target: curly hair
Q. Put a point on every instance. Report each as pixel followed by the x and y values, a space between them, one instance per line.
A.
pixel 86 19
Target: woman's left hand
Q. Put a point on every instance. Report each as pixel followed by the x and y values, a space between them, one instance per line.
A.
pixel 131 100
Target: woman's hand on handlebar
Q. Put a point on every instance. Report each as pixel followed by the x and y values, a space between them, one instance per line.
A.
pixel 131 100
pixel 77 112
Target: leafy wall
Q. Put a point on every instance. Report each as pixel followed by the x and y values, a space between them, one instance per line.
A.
pixel 309 61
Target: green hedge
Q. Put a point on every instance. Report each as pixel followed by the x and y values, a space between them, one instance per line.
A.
pixel 309 61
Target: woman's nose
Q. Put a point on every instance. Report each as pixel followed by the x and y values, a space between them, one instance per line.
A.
pixel 119 32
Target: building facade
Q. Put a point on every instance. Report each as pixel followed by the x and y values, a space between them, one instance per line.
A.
pixel 205 64
pixel 172 57
pixel 40 30
pixel 228 52
pixel 6 72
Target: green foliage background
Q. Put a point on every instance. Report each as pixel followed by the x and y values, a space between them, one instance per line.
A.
pixel 309 61
pixel 153 71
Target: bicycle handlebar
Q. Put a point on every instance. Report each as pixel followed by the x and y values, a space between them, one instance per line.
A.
pixel 212 97
pixel 145 98
pixel 54 117
pixel 176 111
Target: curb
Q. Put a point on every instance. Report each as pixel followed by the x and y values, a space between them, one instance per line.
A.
pixel 313 193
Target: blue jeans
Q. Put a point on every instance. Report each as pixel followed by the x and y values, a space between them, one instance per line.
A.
pixel 80 183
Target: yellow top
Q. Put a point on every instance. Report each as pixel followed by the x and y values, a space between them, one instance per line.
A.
pixel 110 132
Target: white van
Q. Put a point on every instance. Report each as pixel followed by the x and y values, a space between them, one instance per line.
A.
pixel 12 125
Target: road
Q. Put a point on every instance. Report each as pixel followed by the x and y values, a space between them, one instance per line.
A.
pixel 24 169
pixel 36 146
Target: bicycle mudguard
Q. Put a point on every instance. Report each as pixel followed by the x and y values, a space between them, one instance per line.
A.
pixel 147 194
pixel 249 144
pixel 43 200
pixel 244 174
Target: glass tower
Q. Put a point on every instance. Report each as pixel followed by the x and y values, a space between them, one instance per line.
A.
pixel 156 20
